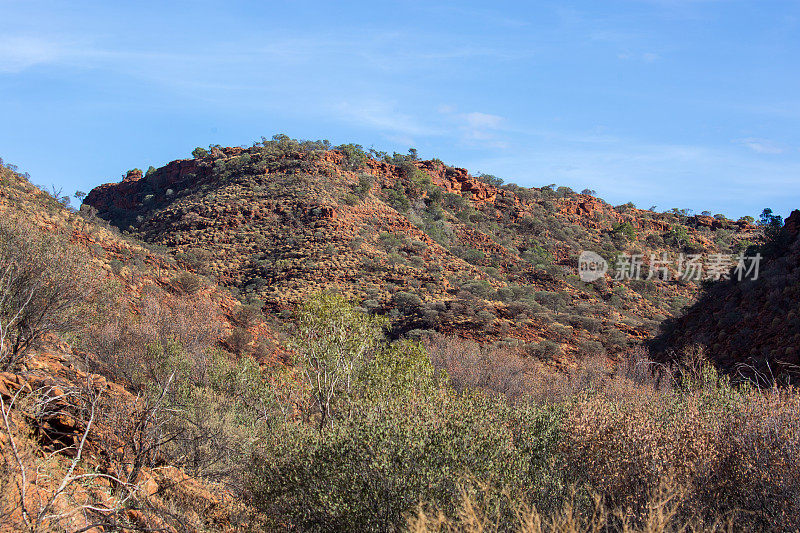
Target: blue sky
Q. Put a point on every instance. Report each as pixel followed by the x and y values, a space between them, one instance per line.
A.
pixel 674 103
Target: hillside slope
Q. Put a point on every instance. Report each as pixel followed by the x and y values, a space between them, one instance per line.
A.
pixel 79 436
pixel 427 244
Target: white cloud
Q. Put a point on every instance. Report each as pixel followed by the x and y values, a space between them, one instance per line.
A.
pixel 475 125
pixel 482 120
pixel 760 146
pixel 646 57
pixel 385 117
pixel 20 52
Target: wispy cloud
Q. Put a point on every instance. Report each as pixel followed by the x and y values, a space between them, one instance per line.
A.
pixel 387 118
pixel 478 120
pixel 477 126
pixel 760 146
pixel 498 17
pixel 19 52
pixel 647 173
pixel 647 57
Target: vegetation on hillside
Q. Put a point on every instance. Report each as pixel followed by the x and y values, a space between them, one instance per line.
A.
pixel 418 242
pixel 161 410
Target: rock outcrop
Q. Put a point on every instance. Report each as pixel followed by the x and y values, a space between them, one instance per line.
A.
pixel 458 181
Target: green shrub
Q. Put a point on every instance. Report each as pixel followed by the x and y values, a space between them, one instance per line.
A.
pixel 454 202
pixel 537 255
pixel 397 199
pixel 391 241
pixel 590 348
pixel 624 230
pixel 554 300
pixel 199 153
pixel 188 282
pixel 408 302
pixel 545 349
pixel 333 340
pixel 354 156
pixel 470 255
pixel 367 472
pixel 478 287
pixel 364 185
pixel 350 199
pixel 677 236
pixel 490 180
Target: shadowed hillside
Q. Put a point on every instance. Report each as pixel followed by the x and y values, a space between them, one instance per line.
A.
pixel 750 328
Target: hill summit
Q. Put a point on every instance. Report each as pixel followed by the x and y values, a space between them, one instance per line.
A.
pixel 429 245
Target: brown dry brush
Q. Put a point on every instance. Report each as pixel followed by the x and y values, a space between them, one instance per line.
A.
pixel 47 436
pixel 120 344
pixel 470 366
pixel 730 452
pixel 82 458
pixel 46 286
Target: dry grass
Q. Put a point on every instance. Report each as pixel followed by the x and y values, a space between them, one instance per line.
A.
pixel 662 516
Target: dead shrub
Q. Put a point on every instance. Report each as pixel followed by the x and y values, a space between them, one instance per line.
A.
pixel 188 283
pixel 734 451
pixel 470 365
pixel 46 286
pixel 123 346
pixel 247 316
pixel 239 340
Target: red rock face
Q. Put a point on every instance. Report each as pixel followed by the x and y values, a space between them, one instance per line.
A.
pixel 458 181
pixel 702 221
pixel 583 206
pixel 132 175
pixel 656 225
pixel 131 191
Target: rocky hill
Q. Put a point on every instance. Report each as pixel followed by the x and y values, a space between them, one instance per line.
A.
pixel 751 328
pixel 429 245
pixel 157 400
